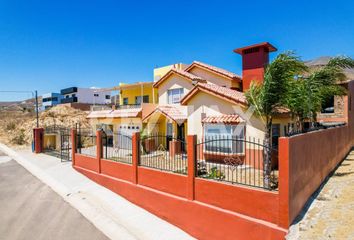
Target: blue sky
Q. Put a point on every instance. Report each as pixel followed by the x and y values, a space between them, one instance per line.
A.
pixel 49 45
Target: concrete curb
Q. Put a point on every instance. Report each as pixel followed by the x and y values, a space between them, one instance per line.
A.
pixel 103 222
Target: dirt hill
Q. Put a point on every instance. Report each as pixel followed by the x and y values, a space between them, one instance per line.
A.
pixel 16 125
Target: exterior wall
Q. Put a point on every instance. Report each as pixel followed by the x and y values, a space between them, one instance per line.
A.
pixel 51 103
pixel 208 105
pixel 161 71
pixel 117 122
pixel 340 111
pixel 173 82
pixel 214 78
pixel 134 91
pixel 86 95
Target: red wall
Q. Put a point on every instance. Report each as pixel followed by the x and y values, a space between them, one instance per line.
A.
pixel 201 220
pixel 116 169
pixel 87 162
pixel 249 201
pixel 167 182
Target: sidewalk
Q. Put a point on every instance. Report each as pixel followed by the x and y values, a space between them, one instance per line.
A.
pixel 116 217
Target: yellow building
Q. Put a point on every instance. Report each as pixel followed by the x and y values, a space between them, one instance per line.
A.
pixel 135 101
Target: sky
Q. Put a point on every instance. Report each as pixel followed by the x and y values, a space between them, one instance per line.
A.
pixel 50 45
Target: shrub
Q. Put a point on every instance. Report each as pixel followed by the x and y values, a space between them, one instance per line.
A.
pixel 19 138
pixel 11 126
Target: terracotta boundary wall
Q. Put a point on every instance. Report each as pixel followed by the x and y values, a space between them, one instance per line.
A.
pixel 306 160
pixel 205 209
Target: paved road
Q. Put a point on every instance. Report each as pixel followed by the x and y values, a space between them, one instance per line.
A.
pixel 31 210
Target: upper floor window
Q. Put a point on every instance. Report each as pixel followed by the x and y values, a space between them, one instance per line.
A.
pixel 96 94
pixel 174 95
pixel 108 96
pixel 125 101
pixel 328 106
pixel 145 99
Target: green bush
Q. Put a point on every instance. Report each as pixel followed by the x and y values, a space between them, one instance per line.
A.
pixel 19 138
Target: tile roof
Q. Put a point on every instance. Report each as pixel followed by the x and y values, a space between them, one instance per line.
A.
pixel 175 113
pixel 223 92
pixel 183 73
pixel 232 118
pixel 214 69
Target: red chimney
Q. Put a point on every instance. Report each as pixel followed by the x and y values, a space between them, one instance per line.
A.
pixel 254 60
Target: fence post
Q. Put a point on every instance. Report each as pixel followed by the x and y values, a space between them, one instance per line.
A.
pixel 135 156
pixel 38 135
pixel 99 149
pixel 73 145
pixel 284 184
pixel 191 157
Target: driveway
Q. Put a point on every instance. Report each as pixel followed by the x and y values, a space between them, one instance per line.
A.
pixel 29 209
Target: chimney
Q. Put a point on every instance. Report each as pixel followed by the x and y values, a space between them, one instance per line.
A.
pixel 254 60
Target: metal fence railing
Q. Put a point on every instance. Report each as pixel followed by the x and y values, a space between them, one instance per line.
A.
pixel 86 142
pixel 117 147
pixel 164 153
pixel 237 161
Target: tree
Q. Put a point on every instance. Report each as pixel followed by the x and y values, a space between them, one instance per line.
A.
pixel 309 91
pixel 268 97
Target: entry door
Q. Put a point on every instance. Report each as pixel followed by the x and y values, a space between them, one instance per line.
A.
pixel 169 134
pixel 181 136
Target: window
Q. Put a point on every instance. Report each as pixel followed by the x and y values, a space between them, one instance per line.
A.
pixel 145 99
pixel 73 95
pixel 96 95
pixel 108 96
pixel 223 138
pixel 328 106
pixel 174 95
pixel 55 99
pixel 125 101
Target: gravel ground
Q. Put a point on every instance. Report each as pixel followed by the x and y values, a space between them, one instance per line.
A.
pixel 331 213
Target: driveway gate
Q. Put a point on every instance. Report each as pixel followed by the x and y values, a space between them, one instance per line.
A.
pixel 57 142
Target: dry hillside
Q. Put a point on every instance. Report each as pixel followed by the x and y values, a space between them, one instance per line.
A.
pixel 16 125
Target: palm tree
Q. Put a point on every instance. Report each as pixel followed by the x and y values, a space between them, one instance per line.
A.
pixel 308 92
pixel 272 94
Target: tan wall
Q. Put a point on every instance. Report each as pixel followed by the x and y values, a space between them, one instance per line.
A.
pixel 173 82
pixel 213 106
pixel 214 78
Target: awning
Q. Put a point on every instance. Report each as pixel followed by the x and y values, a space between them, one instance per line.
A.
pixel 177 114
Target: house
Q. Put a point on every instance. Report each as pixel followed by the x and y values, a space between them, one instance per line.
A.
pixel 336 108
pixel 85 95
pixel 50 100
pixel 134 101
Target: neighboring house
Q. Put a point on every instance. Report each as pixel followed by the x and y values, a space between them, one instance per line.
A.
pixel 85 96
pixel 134 101
pixel 335 109
pixel 50 100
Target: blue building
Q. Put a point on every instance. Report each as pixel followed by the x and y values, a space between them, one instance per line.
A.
pixel 50 100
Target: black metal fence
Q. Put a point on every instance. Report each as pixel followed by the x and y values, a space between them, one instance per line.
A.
pixel 86 142
pixel 57 142
pixel 117 147
pixel 237 161
pixel 164 153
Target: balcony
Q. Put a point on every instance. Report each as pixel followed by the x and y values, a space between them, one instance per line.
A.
pixel 69 100
pixel 68 90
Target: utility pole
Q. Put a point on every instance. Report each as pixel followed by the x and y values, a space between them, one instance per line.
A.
pixel 37 108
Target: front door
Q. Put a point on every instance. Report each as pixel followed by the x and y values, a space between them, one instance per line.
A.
pixel 169 134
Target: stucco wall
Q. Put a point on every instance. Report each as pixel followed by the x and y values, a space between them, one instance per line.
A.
pixel 213 106
pixel 214 78
pixel 173 82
